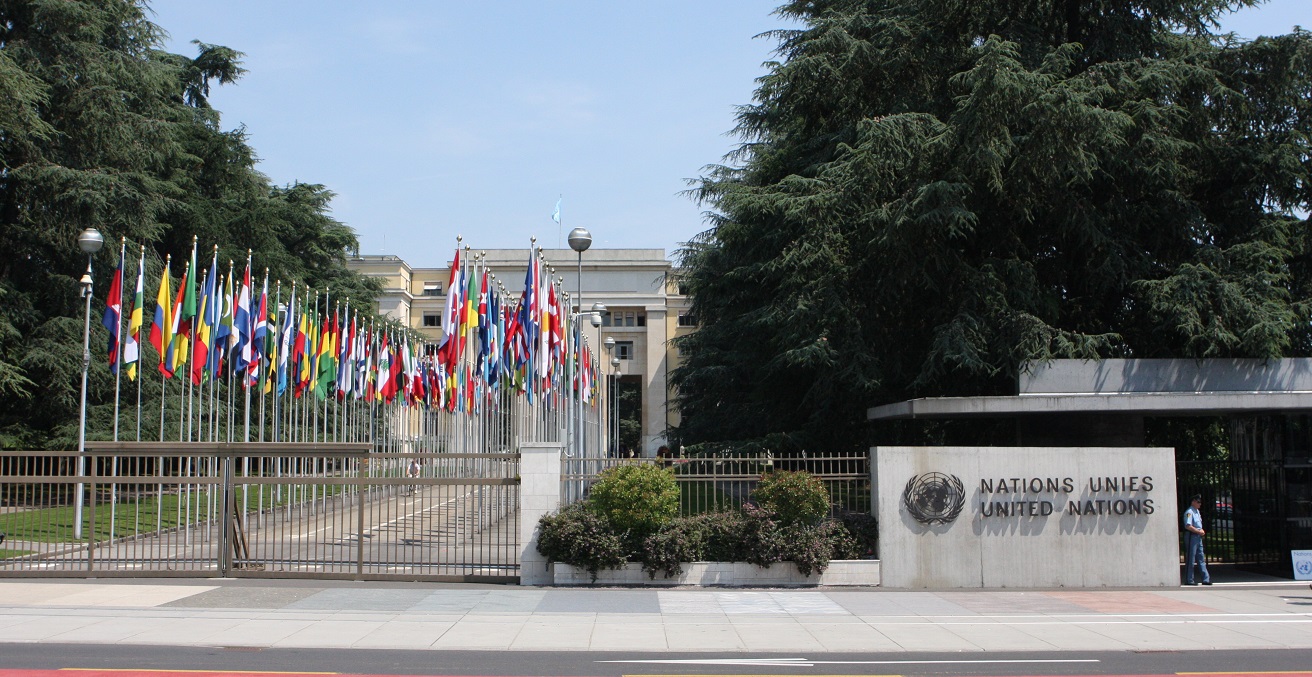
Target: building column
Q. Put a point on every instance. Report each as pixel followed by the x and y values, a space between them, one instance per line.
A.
pixel 655 387
pixel 539 495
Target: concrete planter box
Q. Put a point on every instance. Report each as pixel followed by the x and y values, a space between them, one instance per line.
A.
pixel 727 574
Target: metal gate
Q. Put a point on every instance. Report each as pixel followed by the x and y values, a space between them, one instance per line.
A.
pixel 1241 509
pixel 260 510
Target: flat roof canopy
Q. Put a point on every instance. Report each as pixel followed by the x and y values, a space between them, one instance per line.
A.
pixel 1132 387
pixel 1138 404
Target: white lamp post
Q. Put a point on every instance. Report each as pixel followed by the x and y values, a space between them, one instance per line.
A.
pixel 597 309
pixel 615 363
pixel 609 442
pixel 90 242
pixel 579 240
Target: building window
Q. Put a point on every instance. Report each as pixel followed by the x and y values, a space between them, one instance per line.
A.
pixel 687 320
pixel 642 320
pixel 683 289
pixel 605 319
pixel 624 350
pixel 431 289
pixel 432 320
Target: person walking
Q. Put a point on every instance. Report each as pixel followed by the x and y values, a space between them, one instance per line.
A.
pixel 1193 542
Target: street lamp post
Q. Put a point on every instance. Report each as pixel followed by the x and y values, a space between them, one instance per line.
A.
pixel 615 363
pixel 579 240
pixel 608 442
pixel 597 309
pixel 90 242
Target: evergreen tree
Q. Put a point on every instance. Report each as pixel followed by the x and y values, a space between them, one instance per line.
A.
pixel 931 193
pixel 101 128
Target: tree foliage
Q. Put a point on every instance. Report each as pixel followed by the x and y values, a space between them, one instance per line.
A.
pixel 931 193
pixel 101 128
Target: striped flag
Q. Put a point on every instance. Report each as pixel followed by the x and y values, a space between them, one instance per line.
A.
pixel 113 317
pixel 132 347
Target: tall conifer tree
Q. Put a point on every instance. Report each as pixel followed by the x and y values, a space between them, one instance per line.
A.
pixel 932 192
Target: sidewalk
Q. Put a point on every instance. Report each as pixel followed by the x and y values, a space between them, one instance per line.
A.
pixel 1240 614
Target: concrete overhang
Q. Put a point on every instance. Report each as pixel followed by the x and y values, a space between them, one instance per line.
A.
pixel 1135 404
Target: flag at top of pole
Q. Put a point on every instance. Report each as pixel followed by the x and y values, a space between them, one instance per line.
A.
pixel 555 215
pixel 132 346
pixel 114 313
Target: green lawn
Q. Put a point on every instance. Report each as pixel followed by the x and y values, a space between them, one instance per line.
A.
pixel 141 513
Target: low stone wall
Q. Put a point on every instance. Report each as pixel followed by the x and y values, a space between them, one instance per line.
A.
pixel 727 574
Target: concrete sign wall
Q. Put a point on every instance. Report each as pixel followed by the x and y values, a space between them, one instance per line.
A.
pixel 1002 517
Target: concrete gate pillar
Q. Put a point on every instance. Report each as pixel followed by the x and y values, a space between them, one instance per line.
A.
pixel 539 495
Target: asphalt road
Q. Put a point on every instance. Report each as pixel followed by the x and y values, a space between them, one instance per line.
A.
pixel 1292 663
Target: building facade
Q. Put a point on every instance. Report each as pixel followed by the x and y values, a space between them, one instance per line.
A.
pixel 638 287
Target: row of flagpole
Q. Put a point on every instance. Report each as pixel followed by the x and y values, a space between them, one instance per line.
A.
pixel 241 363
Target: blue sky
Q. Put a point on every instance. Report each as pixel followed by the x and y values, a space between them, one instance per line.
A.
pixel 432 119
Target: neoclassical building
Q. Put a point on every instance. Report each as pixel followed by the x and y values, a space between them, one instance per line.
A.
pixel 638 286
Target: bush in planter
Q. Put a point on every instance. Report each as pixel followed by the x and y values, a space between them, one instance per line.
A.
pixel 580 538
pixel 712 537
pixel 865 529
pixel 636 500
pixel 794 497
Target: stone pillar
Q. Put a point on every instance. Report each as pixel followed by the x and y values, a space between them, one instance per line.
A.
pixel 655 386
pixel 539 495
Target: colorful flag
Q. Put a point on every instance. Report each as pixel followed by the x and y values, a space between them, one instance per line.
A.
pixel 450 321
pixel 161 326
pixel 241 340
pixel 260 333
pixel 113 317
pixel 132 347
pixel 287 341
pixel 176 353
pixel 186 316
pixel 206 320
pixel 221 342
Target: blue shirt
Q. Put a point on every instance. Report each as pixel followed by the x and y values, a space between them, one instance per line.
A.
pixel 1192 518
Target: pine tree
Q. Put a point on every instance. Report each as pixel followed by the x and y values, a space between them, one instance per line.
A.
pixel 101 128
pixel 931 193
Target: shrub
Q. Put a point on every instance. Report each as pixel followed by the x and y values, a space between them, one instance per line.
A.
pixel 795 497
pixel 580 538
pixel 865 530
pixel 713 537
pixel 762 540
pixel 636 500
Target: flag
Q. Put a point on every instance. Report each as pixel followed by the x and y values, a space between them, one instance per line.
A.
pixel 286 342
pixel 260 332
pixel 449 314
pixel 132 347
pixel 384 368
pixel 327 356
pixel 187 315
pixel 241 339
pixel 177 346
pixel 221 343
pixel 161 326
pixel 555 215
pixel 206 320
pixel 113 317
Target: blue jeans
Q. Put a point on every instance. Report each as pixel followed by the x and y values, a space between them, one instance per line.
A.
pixel 1194 554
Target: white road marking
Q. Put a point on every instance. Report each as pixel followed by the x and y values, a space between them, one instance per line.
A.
pixel 802 662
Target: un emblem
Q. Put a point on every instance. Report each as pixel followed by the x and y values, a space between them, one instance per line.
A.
pixel 934 498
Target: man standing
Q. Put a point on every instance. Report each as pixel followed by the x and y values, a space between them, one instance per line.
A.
pixel 1193 542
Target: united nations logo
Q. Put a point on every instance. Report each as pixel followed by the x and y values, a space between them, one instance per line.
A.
pixel 934 498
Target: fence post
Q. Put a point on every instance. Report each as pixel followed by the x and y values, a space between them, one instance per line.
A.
pixel 539 494
pixel 226 521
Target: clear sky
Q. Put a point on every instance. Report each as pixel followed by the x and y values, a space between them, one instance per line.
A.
pixel 432 119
